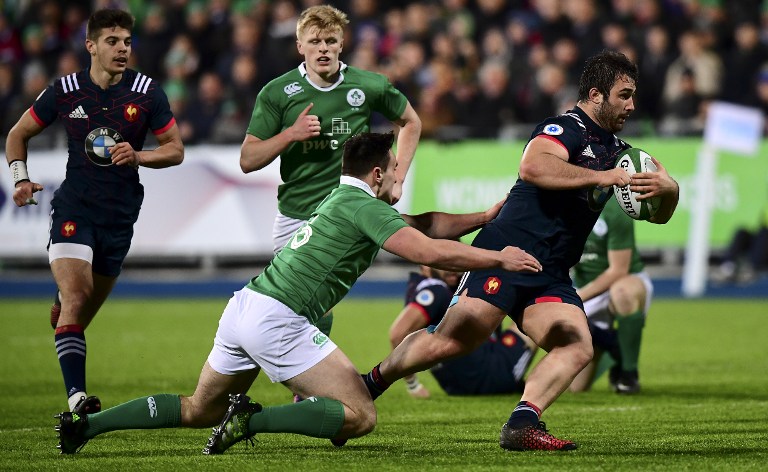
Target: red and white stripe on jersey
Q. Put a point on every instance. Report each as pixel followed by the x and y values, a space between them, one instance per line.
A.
pixel 141 83
pixel 69 83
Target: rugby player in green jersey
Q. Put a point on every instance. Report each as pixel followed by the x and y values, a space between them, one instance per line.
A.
pixel 616 290
pixel 306 115
pixel 270 324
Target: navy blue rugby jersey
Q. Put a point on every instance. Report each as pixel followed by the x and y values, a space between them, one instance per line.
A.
pixel 553 225
pixel 96 119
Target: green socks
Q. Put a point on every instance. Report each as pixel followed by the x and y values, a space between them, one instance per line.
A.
pixel 630 331
pixel 154 412
pixel 315 417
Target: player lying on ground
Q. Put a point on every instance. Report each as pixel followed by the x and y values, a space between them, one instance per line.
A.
pixel 496 366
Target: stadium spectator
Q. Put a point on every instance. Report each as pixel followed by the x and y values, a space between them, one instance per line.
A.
pixel 206 108
pixel 586 27
pixel 34 79
pixel 438 105
pixel 153 42
pixel 281 52
pixel 246 41
pixel 705 66
pixel 277 312
pixel 566 157
pixel 617 292
pixel 11 49
pixel 742 65
pixel 95 208
pixel 550 20
pixel 497 366
pixel 305 116
pixel 8 95
pixel 654 61
pixel 491 113
pixel 684 115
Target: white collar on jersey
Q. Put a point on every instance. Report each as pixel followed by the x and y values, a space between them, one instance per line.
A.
pixel 355 182
pixel 303 72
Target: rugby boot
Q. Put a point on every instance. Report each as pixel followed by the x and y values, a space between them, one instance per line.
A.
pixel 234 426
pixel 532 438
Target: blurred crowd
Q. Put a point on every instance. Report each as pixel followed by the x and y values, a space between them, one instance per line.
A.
pixel 471 68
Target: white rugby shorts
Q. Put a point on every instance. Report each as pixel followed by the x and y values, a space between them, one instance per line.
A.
pixel 258 331
pixel 596 308
pixel 283 230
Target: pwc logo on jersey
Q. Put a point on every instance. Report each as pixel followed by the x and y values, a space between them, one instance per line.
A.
pixel 292 89
pixel 131 112
pixel 492 285
pixel 97 145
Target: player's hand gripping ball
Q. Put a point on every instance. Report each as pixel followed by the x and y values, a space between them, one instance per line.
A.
pixel 635 160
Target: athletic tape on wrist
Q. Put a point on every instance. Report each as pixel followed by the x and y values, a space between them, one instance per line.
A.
pixel 19 171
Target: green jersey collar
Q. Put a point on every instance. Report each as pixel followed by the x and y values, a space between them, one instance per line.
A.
pixel 303 72
pixel 355 182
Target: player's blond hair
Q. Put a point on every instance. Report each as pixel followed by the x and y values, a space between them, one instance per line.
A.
pixel 322 17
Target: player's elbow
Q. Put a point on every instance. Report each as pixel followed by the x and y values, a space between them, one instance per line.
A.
pixel 178 157
pixel 529 171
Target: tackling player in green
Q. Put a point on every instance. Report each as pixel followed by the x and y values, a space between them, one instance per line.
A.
pixel 305 116
pixel 617 292
pixel 270 324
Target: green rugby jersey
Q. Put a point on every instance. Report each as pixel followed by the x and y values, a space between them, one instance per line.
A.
pixel 614 230
pixel 311 169
pixel 317 267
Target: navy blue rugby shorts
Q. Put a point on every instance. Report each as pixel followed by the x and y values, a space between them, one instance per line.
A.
pixel 110 244
pixel 504 290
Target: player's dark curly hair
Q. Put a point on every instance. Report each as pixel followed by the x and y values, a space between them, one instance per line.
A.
pixel 602 70
pixel 364 151
pixel 108 18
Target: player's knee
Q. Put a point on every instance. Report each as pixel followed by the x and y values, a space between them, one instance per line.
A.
pixel 584 353
pixel 361 420
pixel 625 301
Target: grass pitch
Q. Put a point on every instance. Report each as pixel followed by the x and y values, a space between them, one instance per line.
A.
pixel 704 404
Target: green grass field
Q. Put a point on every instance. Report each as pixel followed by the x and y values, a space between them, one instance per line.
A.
pixel 704 405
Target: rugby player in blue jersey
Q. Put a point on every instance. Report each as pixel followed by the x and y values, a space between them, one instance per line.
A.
pixel 107 110
pixel 549 213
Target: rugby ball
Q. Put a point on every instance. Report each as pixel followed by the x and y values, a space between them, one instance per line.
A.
pixel 635 160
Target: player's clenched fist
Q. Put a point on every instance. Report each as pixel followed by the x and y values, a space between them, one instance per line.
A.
pixel 124 154
pixel 616 176
pixel 306 125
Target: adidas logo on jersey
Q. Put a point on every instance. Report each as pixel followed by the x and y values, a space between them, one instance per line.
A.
pixel 587 152
pixel 78 113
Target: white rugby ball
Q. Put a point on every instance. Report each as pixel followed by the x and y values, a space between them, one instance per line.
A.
pixel 635 160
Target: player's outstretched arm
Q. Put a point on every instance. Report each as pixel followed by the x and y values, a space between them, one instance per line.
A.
pixel 258 153
pixel 441 225
pixel 16 155
pixel 657 184
pixel 414 246
pixel 170 152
